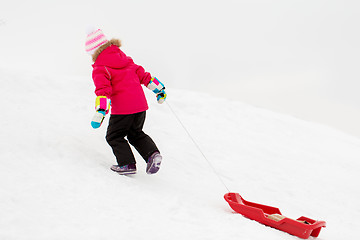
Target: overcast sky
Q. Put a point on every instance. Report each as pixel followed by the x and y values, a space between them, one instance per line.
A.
pixel 294 56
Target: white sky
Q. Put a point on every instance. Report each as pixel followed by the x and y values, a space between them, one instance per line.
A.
pixel 299 57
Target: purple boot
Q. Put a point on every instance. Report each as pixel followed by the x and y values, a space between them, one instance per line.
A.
pixel 124 170
pixel 153 164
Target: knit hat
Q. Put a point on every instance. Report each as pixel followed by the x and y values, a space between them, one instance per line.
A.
pixel 94 40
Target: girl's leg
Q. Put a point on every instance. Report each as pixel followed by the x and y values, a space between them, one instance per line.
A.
pixel 119 127
pixel 142 142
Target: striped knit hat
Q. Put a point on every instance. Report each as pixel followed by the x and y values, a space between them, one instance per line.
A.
pixel 94 40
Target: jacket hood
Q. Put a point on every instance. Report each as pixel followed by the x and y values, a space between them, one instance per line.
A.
pixel 110 55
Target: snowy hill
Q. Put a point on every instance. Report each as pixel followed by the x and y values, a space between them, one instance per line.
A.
pixel 55 181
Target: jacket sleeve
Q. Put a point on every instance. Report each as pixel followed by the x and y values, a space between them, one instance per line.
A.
pixel 102 80
pixel 144 77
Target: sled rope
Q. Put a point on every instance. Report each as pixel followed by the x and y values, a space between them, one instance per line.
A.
pixel 197 146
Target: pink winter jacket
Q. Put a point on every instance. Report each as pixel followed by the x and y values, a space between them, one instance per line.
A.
pixel 117 77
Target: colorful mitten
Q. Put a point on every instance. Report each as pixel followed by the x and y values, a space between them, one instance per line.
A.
pixel 97 119
pixel 158 88
pixel 102 107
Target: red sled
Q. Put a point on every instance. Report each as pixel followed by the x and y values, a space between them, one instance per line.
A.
pixel 302 227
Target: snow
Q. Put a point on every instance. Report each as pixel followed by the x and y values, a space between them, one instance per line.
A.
pixel 55 181
pixel 56 184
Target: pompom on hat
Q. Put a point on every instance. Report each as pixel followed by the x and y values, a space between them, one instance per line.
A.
pixel 95 39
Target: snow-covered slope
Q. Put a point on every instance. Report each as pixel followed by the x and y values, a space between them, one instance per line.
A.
pixel 55 181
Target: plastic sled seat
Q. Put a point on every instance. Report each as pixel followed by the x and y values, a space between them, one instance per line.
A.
pixel 302 227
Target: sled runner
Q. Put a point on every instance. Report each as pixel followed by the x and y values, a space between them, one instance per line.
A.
pixel 302 227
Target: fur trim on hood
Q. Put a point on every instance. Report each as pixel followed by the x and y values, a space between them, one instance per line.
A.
pixel 115 42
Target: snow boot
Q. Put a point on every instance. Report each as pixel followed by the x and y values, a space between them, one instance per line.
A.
pixel 124 170
pixel 153 164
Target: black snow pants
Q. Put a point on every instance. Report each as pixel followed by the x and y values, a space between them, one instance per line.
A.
pixel 130 126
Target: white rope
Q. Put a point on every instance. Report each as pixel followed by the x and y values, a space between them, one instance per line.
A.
pixel 197 146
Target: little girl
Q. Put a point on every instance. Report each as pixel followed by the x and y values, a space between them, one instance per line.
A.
pixel 118 82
